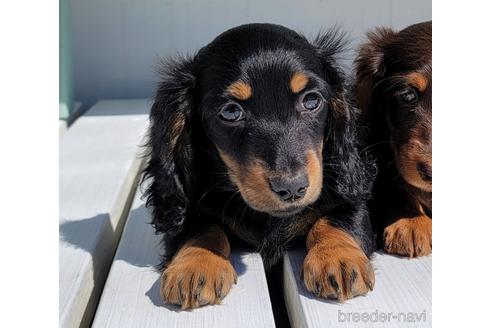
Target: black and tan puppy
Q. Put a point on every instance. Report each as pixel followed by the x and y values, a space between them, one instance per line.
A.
pixel 394 73
pixel 247 138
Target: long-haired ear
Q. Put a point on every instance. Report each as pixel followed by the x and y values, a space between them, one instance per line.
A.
pixel 329 45
pixel 169 168
pixel 349 174
pixel 369 64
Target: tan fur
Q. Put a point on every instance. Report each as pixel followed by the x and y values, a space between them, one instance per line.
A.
pixel 335 266
pixel 410 237
pixel 407 158
pixel 252 181
pixel 200 272
pixel 240 90
pixel 298 82
pixel 315 173
pixel 418 80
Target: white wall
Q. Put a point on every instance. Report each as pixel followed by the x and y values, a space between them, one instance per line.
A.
pixel 116 43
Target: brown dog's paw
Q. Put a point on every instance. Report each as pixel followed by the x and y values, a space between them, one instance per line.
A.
pixel 409 237
pixel 197 277
pixel 337 272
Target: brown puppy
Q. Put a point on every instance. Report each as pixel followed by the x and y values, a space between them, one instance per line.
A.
pixel 394 87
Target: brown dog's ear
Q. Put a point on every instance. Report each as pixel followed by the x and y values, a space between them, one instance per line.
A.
pixel 369 64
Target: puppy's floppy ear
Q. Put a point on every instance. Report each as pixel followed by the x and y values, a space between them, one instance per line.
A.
pixel 369 64
pixel 349 174
pixel 169 169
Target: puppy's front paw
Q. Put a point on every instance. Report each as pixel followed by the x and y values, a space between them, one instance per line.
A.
pixel 409 237
pixel 197 277
pixel 339 272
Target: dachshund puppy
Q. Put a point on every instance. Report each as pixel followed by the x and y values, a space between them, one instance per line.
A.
pixel 394 86
pixel 252 140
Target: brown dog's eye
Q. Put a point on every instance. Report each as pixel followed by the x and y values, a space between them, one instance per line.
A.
pixel 311 101
pixel 409 96
pixel 231 113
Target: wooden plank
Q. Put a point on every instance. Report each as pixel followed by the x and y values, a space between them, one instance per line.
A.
pixel 98 170
pixel 403 289
pixel 131 294
pixel 62 127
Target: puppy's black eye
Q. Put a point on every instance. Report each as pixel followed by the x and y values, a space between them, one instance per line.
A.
pixel 231 113
pixel 311 101
pixel 408 96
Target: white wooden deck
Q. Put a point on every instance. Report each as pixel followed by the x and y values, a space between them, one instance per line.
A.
pixel 131 295
pixel 98 170
pixel 402 291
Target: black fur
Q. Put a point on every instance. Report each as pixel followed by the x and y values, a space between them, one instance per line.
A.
pixel 188 188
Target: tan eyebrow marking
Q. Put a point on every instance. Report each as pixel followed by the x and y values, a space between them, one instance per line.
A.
pixel 418 80
pixel 240 90
pixel 298 82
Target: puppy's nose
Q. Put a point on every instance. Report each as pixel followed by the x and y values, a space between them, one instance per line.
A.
pixel 290 189
pixel 425 171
